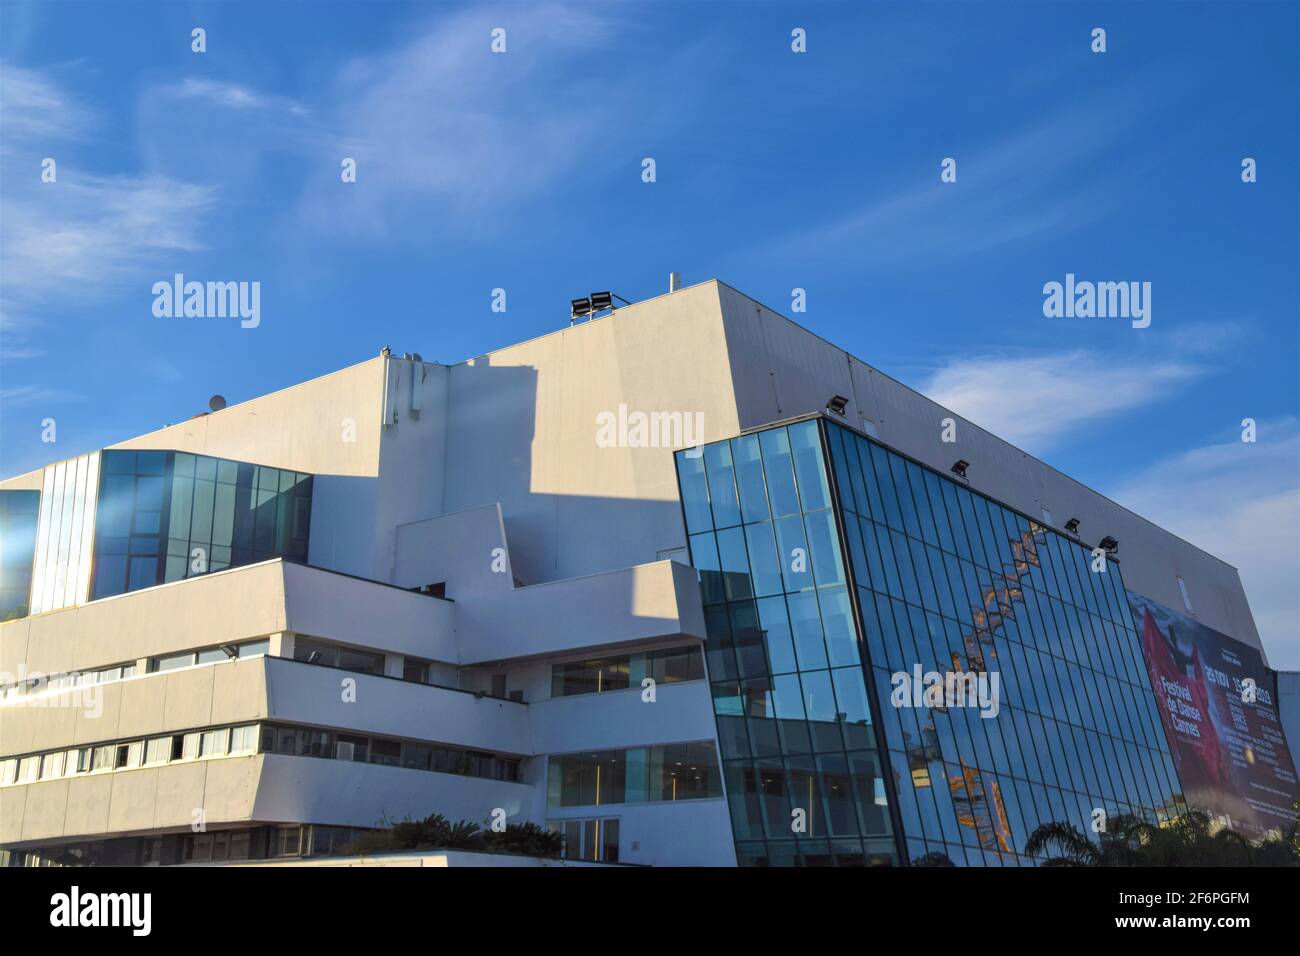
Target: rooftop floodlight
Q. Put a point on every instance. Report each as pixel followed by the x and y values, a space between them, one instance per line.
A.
pixel 837 404
pixel 959 467
pixel 600 301
pixel 230 650
pixel 1072 526
pixel 578 308
pixel 1110 544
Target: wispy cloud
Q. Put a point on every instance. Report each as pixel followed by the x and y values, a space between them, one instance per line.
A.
pixel 1043 178
pixel 442 127
pixel 92 230
pixel 23 395
pixel 233 95
pixel 1035 402
pixel 34 107
pixel 68 240
pixel 1243 501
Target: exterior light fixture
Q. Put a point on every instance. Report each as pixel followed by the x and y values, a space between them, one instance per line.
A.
pixel 959 467
pixel 837 404
pixel 600 301
pixel 1110 544
pixel 230 650
pixel 578 308
pixel 1072 526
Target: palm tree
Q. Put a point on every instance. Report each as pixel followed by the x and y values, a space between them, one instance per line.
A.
pixel 1190 839
pixel 1072 847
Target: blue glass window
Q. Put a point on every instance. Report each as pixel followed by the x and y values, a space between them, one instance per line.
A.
pixel 163 516
pixel 795 731
pixel 950 580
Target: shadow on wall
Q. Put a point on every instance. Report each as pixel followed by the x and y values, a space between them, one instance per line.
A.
pixel 485 450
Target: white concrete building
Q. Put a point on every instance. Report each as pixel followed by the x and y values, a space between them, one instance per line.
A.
pixel 407 588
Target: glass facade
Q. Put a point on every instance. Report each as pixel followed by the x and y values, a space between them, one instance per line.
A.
pixel 938 580
pixel 784 657
pixel 637 775
pixel 599 675
pixel 951 581
pixel 18 510
pixel 166 515
pixel 66 522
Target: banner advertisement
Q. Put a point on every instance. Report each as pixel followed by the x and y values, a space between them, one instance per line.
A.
pixel 1218 703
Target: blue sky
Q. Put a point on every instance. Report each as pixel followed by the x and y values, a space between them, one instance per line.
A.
pixel 775 170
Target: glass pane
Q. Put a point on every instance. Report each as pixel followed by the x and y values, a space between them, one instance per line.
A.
pixel 778 463
pixel 722 485
pixel 806 446
pixel 694 492
pixel 749 478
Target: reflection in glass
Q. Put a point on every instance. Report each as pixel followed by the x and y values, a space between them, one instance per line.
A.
pixel 794 735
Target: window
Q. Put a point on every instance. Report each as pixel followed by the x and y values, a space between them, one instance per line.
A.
pixel 288 842
pixel 315 743
pixel 52 765
pixel 668 665
pixel 498 685
pixel 214 743
pixel 595 841
pixel 103 758
pixel 314 652
pixel 243 739
pixel 638 775
pixel 386 752
pixel 155 509
pixel 157 751
pixel 352 748
pixel 253 648
pixel 679 664
pixel 364 662
pixel 417 756
pixel 171 662
pixel 415 670
pixel 331 655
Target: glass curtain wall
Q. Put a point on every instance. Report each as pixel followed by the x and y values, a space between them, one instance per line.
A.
pixel 166 515
pixel 18 510
pixel 950 581
pixel 66 522
pixel 783 653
